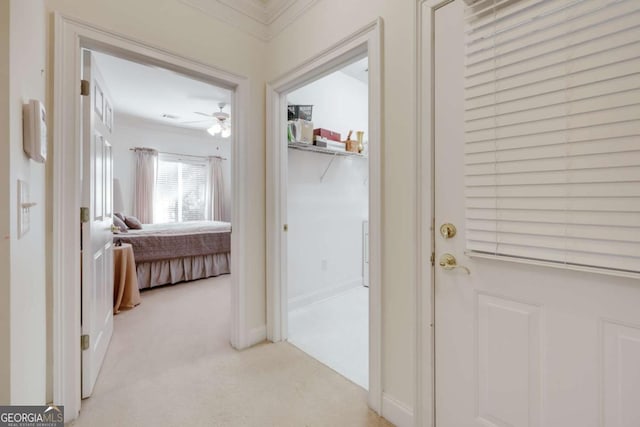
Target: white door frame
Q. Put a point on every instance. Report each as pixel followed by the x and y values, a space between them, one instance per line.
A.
pixel 365 41
pixel 425 297
pixel 71 35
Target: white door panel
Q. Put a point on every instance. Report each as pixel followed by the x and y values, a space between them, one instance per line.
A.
pixel 518 345
pixel 97 255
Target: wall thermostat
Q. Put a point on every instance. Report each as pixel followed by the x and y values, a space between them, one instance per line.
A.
pixel 34 128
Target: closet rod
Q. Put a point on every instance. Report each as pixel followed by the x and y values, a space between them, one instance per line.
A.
pixel 186 155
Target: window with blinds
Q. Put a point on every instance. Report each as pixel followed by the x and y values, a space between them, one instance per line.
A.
pixel 180 193
pixel 552 131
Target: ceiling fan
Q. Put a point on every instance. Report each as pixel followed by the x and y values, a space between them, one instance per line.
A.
pixel 221 124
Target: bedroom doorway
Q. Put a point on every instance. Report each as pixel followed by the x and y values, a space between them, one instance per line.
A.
pixel 72 37
pixel 156 184
pixel 303 168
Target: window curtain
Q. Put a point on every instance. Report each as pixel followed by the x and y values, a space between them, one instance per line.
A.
pixel 216 205
pixel 146 162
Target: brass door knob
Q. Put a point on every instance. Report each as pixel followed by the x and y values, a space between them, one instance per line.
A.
pixel 448 262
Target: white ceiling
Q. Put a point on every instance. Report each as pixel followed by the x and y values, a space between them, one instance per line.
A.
pixel 149 92
pixel 358 70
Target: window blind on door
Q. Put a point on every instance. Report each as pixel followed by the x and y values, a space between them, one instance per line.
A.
pixel 552 131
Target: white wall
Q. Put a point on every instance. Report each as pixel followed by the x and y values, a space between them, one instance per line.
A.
pixel 27 80
pixel 5 220
pixel 339 103
pixel 289 49
pixel 325 225
pixel 130 132
pixel 325 217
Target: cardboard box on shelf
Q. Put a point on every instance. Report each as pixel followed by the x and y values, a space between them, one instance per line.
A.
pixel 326 133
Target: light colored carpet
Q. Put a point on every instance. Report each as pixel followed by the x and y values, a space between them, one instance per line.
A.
pixel 336 332
pixel 170 364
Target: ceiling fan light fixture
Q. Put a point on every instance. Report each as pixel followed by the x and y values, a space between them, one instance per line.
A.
pixel 215 129
pixel 221 124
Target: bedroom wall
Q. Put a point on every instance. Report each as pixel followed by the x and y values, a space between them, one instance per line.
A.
pixel 23 350
pixel 325 217
pixel 399 237
pixel 130 131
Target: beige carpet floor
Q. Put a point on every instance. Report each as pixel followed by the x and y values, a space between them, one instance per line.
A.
pixel 170 364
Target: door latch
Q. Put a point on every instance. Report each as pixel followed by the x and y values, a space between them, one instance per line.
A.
pixel 84 342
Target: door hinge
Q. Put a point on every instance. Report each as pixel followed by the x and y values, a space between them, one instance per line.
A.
pixel 84 215
pixel 85 88
pixel 84 342
pixel 433 259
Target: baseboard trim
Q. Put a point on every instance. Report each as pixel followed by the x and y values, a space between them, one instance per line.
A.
pixel 304 300
pixel 257 335
pixel 396 412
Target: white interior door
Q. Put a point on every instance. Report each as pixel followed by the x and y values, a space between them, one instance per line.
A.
pixel 518 344
pixel 97 239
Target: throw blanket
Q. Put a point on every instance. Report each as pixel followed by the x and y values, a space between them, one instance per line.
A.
pixel 155 247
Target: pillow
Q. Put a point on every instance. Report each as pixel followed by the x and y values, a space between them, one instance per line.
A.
pixel 120 224
pixel 120 215
pixel 133 223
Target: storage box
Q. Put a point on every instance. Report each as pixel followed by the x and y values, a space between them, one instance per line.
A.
pixel 326 133
pixel 327 143
pixel 303 112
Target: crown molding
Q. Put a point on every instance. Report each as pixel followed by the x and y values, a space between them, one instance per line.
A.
pixel 263 19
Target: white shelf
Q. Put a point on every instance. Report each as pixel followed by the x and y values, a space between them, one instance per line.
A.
pixel 309 147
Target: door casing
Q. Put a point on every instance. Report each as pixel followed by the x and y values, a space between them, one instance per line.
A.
pixel 424 412
pixel 70 36
pixel 365 41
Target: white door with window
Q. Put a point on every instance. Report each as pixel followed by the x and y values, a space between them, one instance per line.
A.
pixel 97 239
pixel 537 144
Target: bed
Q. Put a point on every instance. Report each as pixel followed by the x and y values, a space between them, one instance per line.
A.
pixel 179 252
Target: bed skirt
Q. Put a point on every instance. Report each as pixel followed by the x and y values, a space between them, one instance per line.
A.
pixel 170 271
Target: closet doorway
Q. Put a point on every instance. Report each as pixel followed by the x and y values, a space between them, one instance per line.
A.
pixel 323 209
pixel 327 218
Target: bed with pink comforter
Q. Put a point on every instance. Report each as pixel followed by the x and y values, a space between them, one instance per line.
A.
pixel 179 252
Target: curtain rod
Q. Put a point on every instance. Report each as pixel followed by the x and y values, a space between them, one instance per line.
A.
pixel 184 155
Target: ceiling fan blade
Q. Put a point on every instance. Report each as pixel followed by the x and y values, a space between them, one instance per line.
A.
pixel 203 114
pixel 195 121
